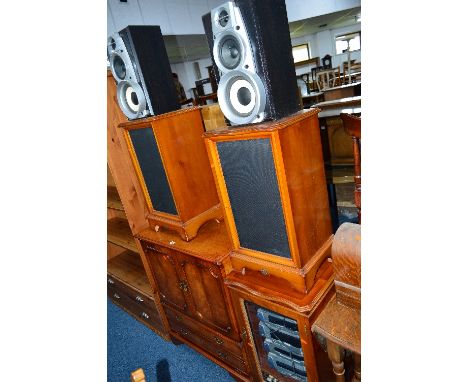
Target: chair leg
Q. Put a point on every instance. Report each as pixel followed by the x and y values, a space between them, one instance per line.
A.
pixel 335 353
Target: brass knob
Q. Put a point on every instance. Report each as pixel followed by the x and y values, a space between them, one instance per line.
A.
pixel 110 281
pixel 218 340
pixel 138 298
pixel 116 296
pixel 144 315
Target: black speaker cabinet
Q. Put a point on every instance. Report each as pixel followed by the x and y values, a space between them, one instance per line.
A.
pixel 271 182
pixel 139 63
pixel 252 50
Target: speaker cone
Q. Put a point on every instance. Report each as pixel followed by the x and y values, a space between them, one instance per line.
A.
pixel 223 18
pixel 118 67
pixel 230 52
pixel 131 99
pixel 242 96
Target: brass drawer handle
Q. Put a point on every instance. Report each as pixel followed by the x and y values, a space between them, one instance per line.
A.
pixel 145 315
pixel 183 285
pixel 110 281
pixel 184 332
pixel 139 299
pixel 218 340
pixel 151 248
pixel 116 296
pixel 222 355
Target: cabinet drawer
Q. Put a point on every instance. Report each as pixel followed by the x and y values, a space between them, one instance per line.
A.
pixel 217 345
pixel 133 294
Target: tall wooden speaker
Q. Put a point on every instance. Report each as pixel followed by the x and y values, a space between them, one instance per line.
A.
pixel 171 163
pixel 270 178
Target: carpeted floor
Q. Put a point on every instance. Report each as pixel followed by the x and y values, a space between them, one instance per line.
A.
pixel 131 345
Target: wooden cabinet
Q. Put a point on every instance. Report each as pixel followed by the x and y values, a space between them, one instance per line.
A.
pixel 189 280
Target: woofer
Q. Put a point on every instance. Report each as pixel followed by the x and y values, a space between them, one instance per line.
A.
pixel 241 96
pixel 131 98
pixel 230 52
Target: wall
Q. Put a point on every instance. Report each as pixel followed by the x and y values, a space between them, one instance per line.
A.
pixel 323 43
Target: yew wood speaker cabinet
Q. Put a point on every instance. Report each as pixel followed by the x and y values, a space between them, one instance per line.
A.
pixel 271 182
pixel 189 281
pixel 172 166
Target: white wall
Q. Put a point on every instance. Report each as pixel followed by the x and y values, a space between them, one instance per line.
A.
pixel 304 9
pixel 323 43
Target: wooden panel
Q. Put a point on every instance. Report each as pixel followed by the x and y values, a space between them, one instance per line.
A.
pixel 205 286
pixel 113 199
pixel 118 233
pixel 120 164
pixel 164 269
pixel 182 147
pixel 305 176
pixel 129 268
pixel 114 250
pixel 213 117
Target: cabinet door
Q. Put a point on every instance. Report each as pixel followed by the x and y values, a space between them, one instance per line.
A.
pixel 164 269
pixel 206 293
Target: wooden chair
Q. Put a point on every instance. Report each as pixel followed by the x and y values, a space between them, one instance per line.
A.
pixel 352 126
pixel 340 321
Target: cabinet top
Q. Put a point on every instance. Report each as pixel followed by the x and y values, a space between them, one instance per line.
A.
pixel 211 243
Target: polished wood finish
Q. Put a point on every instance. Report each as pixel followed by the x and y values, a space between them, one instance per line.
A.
pixel 179 138
pixel 270 293
pixel 213 117
pixel 352 126
pixel 346 254
pixel 340 321
pixel 189 280
pixel 297 155
pixel 128 287
pixel 126 216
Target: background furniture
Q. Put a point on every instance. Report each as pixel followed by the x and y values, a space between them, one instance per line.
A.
pixel 352 125
pixel 340 321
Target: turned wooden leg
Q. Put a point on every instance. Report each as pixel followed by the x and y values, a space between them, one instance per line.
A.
pixel 335 353
pixel 357 368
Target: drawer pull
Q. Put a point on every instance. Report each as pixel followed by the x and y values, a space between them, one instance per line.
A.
pixel 151 248
pixel 110 281
pixel 184 332
pixel 178 318
pixel 145 315
pixel 138 298
pixel 183 285
pixel 116 296
pixel 218 340
pixel 222 355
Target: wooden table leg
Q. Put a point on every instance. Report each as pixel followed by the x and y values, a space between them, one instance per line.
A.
pixel 357 368
pixel 335 353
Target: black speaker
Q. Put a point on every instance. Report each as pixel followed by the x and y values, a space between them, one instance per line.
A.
pixel 251 47
pixel 139 63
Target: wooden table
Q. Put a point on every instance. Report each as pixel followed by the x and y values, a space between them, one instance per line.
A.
pixel 343 91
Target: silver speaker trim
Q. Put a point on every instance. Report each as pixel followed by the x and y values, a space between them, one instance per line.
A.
pixel 258 112
pixel 141 112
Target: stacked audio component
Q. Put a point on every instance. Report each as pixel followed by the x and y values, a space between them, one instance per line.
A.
pixel 282 342
pixel 139 63
pixel 251 46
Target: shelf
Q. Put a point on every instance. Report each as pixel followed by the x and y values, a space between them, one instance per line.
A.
pixel 128 268
pixel 113 199
pixel 119 233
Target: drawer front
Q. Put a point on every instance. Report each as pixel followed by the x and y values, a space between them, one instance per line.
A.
pixel 133 294
pixel 217 345
pixel 148 314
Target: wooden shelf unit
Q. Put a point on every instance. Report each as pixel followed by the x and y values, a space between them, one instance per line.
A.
pixel 113 199
pixel 119 233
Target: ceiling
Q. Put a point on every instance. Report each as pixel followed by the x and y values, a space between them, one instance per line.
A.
pixel 192 47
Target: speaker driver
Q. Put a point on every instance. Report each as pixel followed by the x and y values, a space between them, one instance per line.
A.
pixel 242 97
pixel 131 99
pixel 230 52
pixel 223 18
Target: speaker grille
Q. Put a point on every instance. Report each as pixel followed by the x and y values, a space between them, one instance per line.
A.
pixel 252 186
pixel 149 158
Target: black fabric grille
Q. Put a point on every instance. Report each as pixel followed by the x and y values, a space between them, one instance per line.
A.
pixel 152 168
pixel 252 186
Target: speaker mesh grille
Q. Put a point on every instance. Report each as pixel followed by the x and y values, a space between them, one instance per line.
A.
pixel 252 186
pixel 152 168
